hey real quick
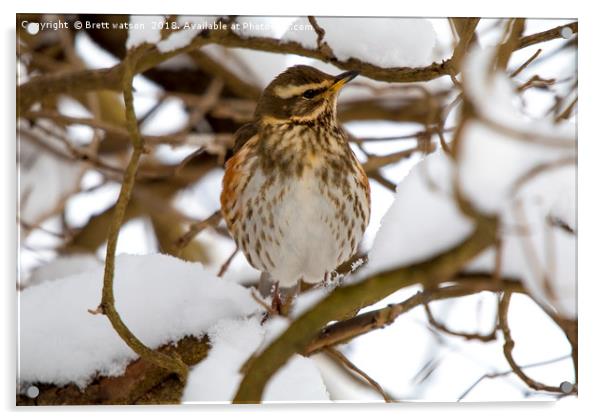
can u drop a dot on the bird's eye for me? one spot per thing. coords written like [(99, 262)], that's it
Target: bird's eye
[(310, 93)]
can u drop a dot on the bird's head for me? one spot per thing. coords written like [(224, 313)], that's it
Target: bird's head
[(301, 94)]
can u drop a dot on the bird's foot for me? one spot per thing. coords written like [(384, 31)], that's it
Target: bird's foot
[(278, 306)]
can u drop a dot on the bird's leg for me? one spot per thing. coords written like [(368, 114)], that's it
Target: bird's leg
[(276, 301), (326, 278), (275, 308), (289, 296), (281, 301)]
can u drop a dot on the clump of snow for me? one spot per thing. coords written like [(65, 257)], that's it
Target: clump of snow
[(217, 377), (423, 220), (490, 164), (491, 160), (144, 29), (160, 298), (233, 341), (190, 26), (385, 42)]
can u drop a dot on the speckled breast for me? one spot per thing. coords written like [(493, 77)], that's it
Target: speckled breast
[(297, 221)]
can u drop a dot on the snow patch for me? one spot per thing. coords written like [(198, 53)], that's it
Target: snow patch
[(217, 377), (423, 220), (385, 42), (160, 298)]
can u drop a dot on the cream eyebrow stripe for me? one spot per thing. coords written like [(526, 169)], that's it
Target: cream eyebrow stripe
[(285, 92)]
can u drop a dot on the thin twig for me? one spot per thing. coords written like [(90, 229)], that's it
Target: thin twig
[(508, 372), (196, 228), (414, 136), (375, 162), (226, 264), (321, 44), (565, 115), (351, 366), (492, 336), (526, 63), (537, 82), (378, 177), (509, 345)]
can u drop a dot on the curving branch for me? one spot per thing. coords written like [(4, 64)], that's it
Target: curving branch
[(509, 346), (438, 325), (107, 305)]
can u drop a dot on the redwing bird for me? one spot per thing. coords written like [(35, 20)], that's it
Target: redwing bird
[(295, 198)]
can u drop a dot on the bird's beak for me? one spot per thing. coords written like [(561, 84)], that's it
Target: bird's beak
[(342, 79)]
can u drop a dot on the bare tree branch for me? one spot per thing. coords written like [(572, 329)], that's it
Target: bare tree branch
[(107, 305), (345, 330)]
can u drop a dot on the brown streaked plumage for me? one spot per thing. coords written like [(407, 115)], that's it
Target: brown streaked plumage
[(295, 198)]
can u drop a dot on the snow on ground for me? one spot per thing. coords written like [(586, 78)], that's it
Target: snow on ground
[(385, 42), (216, 378), (160, 298)]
